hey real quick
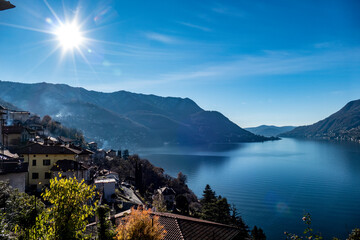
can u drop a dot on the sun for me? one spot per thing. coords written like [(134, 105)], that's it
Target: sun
[(69, 35)]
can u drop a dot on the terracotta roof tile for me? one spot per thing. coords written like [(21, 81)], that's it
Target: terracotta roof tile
[(172, 228), (180, 227), (183, 227)]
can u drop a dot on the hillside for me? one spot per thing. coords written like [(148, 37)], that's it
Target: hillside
[(8, 105), (342, 125), (124, 119), (269, 130)]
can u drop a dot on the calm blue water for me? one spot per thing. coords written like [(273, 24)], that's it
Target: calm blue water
[(274, 183)]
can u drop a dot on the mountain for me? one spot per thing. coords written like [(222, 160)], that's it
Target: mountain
[(342, 125), (8, 105), (124, 119), (269, 130)]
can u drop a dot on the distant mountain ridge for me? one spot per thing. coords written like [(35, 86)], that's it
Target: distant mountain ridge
[(125, 119), (269, 130), (342, 125)]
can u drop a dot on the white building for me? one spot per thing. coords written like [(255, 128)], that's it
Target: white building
[(14, 171), (107, 187)]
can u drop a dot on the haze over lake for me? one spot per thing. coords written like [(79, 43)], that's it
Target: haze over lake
[(274, 183)]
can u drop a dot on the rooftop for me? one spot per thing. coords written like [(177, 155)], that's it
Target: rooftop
[(166, 191), (39, 148), (67, 140), (183, 227), (180, 227), (108, 180), (4, 154)]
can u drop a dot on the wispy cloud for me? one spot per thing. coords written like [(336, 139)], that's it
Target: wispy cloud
[(227, 10), (271, 63), (205, 29), (328, 45), (161, 38)]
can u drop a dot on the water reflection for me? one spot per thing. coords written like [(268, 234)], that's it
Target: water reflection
[(189, 164), (274, 183)]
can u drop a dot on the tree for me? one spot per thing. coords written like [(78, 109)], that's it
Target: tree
[(237, 221), (67, 216), (257, 234), (355, 234), (18, 210), (105, 231), (46, 120), (182, 178), (126, 154), (214, 208), (22, 211), (309, 232), (159, 203), (140, 225), (182, 204), (208, 195), (4, 230), (5, 191), (217, 209)]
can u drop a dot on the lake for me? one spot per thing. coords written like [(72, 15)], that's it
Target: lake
[(274, 183)]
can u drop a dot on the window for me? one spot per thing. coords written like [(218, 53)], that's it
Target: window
[(47, 175), (34, 162), (46, 162), (35, 175)]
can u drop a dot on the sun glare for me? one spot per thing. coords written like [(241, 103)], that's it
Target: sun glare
[(69, 36)]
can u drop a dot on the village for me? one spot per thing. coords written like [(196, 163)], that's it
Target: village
[(31, 155)]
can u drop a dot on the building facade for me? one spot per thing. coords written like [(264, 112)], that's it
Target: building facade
[(41, 158)]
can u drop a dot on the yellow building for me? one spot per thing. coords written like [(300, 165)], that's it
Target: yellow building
[(41, 159)]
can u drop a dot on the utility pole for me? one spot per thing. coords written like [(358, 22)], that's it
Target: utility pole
[(2, 123), (2, 120)]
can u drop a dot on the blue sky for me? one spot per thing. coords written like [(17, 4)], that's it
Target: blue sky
[(258, 62)]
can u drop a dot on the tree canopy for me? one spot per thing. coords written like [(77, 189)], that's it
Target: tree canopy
[(140, 225), (217, 209), (68, 215)]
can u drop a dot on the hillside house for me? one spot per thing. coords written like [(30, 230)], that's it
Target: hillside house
[(70, 169), (13, 170), (111, 153), (93, 146), (106, 187), (12, 135), (17, 116), (16, 135), (41, 157), (65, 140), (167, 195), (100, 153), (3, 111), (109, 174)]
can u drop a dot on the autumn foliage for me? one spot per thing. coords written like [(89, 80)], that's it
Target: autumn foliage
[(140, 225)]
